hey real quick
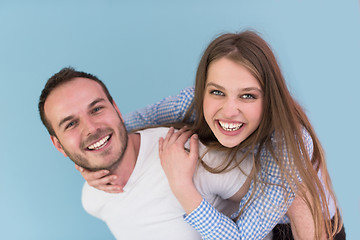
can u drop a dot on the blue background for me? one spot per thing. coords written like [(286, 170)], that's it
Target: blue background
[(147, 50)]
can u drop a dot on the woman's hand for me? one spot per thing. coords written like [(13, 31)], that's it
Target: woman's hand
[(179, 166), (100, 180)]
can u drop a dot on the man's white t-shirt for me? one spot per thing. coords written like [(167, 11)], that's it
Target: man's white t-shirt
[(147, 209)]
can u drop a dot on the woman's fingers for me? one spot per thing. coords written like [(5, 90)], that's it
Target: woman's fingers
[(161, 142), (172, 136), (100, 180), (183, 137), (106, 184), (91, 176), (194, 147), (174, 139), (168, 136)]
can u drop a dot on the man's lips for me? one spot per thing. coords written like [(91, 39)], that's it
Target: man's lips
[(100, 143)]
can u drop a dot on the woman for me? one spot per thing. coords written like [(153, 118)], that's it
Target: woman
[(242, 104)]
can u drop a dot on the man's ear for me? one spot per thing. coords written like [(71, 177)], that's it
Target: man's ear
[(57, 144), (117, 109)]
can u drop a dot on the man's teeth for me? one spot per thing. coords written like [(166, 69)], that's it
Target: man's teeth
[(230, 126), (100, 144)]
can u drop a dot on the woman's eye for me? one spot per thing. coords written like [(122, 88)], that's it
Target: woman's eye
[(248, 96), (217, 92)]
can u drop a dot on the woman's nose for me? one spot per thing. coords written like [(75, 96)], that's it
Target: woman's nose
[(231, 108)]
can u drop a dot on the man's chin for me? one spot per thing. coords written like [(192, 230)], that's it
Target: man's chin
[(98, 168), (95, 169), (110, 167)]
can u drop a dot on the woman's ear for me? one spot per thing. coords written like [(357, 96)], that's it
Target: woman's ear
[(57, 144)]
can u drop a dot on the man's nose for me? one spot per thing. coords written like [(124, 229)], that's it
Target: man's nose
[(89, 126)]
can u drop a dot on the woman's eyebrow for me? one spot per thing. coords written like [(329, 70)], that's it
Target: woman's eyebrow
[(209, 84), (214, 85)]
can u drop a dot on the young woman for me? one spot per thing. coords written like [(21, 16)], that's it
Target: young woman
[(242, 103)]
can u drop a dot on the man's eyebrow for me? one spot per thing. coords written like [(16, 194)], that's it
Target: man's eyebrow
[(96, 101), (93, 103), (65, 120)]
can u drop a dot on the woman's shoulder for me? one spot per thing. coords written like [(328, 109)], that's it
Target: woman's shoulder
[(278, 142), (277, 138)]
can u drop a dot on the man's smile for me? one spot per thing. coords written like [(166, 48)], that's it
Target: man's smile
[(99, 144)]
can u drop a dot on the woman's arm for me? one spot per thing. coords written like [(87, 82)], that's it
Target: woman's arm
[(180, 165), (169, 110), (256, 221)]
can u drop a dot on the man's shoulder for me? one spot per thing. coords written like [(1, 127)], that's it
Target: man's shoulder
[(154, 131)]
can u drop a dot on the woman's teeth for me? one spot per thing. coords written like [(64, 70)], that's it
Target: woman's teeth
[(230, 126), (100, 144)]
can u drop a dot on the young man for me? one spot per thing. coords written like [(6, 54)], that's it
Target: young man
[(85, 125)]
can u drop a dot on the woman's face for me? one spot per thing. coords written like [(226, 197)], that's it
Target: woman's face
[(233, 102)]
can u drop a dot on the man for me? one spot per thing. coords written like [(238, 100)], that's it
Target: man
[(85, 125)]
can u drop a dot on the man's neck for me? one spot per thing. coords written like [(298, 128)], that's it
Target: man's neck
[(125, 168)]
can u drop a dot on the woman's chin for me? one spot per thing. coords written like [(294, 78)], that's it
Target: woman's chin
[(227, 143)]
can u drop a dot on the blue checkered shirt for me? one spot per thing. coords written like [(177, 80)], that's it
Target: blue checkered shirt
[(268, 205)]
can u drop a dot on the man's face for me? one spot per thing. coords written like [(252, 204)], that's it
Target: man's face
[(88, 127)]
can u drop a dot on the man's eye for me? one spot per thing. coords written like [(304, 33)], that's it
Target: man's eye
[(96, 109), (217, 92), (71, 124)]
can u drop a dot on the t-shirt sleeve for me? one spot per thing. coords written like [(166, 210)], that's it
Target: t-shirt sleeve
[(224, 184)]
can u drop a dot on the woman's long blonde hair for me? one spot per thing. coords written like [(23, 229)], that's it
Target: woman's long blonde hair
[(282, 117)]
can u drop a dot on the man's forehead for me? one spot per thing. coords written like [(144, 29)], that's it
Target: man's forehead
[(76, 88), (72, 97)]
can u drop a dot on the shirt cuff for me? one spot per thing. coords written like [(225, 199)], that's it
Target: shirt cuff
[(205, 218)]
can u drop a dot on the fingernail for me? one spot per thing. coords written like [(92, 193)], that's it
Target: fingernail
[(106, 171), (195, 136), (114, 177)]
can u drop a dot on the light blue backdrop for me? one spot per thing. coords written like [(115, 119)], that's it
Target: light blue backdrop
[(144, 51)]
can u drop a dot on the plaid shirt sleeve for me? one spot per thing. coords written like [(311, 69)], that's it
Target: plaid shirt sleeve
[(169, 110), (212, 224)]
